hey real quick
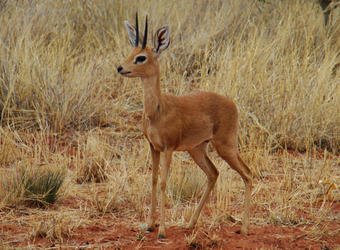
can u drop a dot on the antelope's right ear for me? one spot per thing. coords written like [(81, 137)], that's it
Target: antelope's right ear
[(162, 39), (132, 32)]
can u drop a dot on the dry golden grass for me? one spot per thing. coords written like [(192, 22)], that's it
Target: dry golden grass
[(63, 104)]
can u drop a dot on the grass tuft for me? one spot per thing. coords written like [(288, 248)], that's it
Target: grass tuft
[(41, 185)]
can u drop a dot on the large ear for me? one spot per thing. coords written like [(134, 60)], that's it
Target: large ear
[(131, 32), (161, 39)]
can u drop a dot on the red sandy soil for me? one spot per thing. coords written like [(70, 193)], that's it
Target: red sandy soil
[(113, 231)]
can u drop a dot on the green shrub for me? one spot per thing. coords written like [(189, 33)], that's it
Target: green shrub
[(42, 185)]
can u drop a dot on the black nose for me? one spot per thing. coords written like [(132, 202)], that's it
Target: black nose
[(119, 68)]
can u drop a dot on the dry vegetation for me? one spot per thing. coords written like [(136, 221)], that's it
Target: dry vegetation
[(64, 107)]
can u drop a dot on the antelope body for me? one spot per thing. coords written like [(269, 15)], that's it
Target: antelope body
[(182, 123)]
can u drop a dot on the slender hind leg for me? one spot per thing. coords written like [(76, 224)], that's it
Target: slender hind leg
[(199, 155), (229, 152)]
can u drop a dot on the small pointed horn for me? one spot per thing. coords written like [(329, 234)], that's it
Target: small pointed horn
[(137, 31), (145, 39)]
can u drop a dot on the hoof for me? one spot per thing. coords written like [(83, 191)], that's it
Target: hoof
[(242, 231), (161, 236), (191, 224), (149, 230)]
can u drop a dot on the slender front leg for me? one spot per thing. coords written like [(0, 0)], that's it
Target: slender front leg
[(164, 176), (155, 155)]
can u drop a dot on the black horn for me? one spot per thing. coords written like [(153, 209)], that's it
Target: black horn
[(137, 31), (145, 39)]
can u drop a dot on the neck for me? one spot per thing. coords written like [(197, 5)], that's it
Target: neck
[(153, 99)]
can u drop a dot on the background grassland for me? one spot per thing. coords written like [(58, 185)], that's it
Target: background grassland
[(62, 103)]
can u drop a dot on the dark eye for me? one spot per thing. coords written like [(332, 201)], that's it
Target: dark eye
[(140, 59)]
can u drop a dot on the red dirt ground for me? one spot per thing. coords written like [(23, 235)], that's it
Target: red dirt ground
[(113, 231)]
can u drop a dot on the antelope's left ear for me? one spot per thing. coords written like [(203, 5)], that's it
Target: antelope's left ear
[(132, 32), (161, 39)]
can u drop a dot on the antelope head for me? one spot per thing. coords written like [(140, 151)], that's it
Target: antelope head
[(142, 62)]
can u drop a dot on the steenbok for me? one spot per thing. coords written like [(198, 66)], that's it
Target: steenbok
[(182, 123)]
